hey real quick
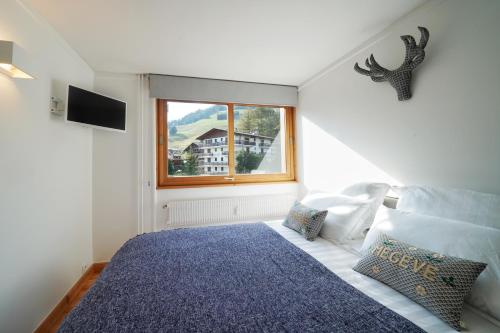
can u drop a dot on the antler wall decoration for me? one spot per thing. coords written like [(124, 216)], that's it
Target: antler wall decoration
[(399, 78)]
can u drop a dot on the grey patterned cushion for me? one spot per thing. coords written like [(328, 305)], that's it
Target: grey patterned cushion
[(306, 220), (439, 283)]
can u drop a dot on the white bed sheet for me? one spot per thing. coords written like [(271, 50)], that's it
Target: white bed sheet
[(340, 260)]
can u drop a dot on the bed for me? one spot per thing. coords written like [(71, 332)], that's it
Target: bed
[(246, 278)]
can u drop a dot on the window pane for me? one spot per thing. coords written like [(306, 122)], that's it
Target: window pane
[(197, 139), (259, 140)]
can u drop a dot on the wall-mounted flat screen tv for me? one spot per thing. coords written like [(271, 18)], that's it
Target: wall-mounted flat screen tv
[(95, 110)]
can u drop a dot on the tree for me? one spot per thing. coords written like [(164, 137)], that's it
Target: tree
[(246, 122), (267, 121), (262, 120), (246, 161), (190, 164), (173, 130), (171, 169)]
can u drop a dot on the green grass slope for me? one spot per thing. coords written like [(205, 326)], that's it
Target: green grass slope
[(186, 134)]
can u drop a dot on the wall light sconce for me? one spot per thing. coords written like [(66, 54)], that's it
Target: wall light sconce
[(12, 59)]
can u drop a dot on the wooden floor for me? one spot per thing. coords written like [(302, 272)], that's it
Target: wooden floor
[(71, 299)]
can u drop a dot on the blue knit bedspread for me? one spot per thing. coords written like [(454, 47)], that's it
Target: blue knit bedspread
[(242, 278)]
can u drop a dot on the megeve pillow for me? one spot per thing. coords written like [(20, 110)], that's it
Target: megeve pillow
[(438, 282), (305, 220), (457, 204), (449, 237), (344, 214), (367, 191)]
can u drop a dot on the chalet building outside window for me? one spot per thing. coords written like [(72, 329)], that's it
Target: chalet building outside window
[(223, 143)]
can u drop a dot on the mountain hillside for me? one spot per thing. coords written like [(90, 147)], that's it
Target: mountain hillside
[(183, 131), (188, 133)]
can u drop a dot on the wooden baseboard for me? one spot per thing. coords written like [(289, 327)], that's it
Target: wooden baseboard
[(53, 320), (98, 266)]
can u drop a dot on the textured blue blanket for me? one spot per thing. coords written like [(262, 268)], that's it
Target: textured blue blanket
[(243, 278)]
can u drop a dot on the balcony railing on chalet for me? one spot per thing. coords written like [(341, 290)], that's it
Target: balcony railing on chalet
[(205, 155), (201, 155), (236, 142), (203, 163), (212, 144), (243, 142)]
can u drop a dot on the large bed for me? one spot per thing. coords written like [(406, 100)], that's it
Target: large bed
[(235, 282)]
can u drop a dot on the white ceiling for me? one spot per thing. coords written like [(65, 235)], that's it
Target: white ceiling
[(272, 41)]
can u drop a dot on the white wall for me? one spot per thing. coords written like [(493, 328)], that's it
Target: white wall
[(351, 128), (115, 171), (45, 176)]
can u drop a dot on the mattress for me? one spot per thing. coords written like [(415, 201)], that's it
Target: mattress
[(340, 260)]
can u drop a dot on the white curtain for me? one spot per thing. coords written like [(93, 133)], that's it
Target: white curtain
[(146, 163)]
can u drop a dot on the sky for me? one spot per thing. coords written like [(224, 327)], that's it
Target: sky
[(177, 110)]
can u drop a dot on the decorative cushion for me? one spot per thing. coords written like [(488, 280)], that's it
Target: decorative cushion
[(449, 237), (305, 220), (457, 204), (345, 213), (437, 282)]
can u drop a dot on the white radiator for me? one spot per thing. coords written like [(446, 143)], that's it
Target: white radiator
[(199, 212)]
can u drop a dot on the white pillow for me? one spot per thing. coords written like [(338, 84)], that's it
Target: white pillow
[(449, 237), (464, 205), (345, 214), (367, 191)]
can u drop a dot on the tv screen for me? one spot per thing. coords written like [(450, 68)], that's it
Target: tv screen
[(92, 109)]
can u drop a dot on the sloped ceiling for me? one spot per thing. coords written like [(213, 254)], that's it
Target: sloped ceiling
[(271, 41)]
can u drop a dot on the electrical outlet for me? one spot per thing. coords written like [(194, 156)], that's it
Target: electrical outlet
[(84, 268)]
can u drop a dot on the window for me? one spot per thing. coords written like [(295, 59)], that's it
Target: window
[(256, 139)]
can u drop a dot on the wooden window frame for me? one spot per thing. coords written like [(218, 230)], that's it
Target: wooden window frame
[(165, 182)]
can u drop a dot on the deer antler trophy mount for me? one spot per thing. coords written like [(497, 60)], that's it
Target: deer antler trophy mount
[(399, 78)]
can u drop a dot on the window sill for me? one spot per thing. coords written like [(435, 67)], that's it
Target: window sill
[(234, 183)]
